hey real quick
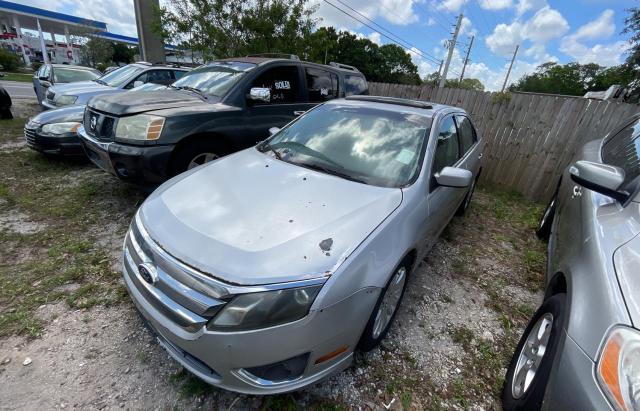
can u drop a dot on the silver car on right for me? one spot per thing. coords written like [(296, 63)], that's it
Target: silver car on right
[(581, 349)]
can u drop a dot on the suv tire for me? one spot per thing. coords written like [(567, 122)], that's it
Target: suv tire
[(195, 153), (543, 331)]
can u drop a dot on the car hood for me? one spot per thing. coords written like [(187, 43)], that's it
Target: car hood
[(81, 87), (60, 115), (627, 260), (141, 101), (250, 219)]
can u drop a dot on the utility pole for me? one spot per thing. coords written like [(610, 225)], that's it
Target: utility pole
[(466, 60), (452, 45), (440, 70), (515, 53)]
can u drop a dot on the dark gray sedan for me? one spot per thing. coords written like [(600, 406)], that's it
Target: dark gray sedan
[(581, 350)]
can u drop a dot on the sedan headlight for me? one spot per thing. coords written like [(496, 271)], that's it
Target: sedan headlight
[(265, 309), (619, 368), (65, 100), (140, 127), (58, 129)]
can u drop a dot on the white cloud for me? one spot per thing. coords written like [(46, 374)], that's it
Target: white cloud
[(399, 12), (424, 67), (600, 28), (539, 53), (452, 5), (524, 6), (466, 27), (431, 22), (494, 4), (375, 37), (545, 25), (602, 54), (505, 37)]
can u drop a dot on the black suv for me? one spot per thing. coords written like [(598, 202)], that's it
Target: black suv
[(216, 109)]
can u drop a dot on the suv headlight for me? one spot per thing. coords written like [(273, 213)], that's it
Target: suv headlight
[(58, 129), (140, 127), (619, 368), (65, 100), (265, 309)]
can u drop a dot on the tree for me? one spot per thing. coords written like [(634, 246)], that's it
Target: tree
[(96, 50), (632, 64), (466, 84), (225, 28), (123, 53), (9, 60)]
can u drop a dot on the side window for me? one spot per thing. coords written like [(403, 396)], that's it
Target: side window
[(159, 77), (323, 85), (447, 150), (355, 85), (467, 133), (46, 71), (142, 77), (178, 74), (623, 150), (283, 82)]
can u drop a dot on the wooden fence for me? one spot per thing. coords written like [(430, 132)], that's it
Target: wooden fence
[(531, 138)]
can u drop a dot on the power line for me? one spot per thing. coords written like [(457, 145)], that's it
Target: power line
[(417, 51)]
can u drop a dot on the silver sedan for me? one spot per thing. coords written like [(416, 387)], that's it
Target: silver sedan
[(261, 272)]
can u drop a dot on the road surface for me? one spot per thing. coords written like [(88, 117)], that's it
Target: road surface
[(18, 89)]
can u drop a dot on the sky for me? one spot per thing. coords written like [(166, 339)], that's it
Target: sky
[(585, 31)]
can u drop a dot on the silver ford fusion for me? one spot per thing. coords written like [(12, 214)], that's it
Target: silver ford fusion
[(261, 272), (581, 349)]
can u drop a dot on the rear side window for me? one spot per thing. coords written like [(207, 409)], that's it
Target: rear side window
[(623, 150), (283, 82), (355, 85), (322, 84), (178, 74), (447, 150), (467, 133)]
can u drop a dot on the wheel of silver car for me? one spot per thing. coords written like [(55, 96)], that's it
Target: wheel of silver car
[(386, 308), (390, 301), (467, 199), (528, 373), (200, 159), (531, 355)]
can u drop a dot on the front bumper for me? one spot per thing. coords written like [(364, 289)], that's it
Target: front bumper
[(573, 384), (136, 164), (222, 358), (62, 146)]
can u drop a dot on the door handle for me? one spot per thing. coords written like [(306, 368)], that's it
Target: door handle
[(299, 112), (480, 156)]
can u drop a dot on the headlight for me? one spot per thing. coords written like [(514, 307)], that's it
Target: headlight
[(65, 100), (265, 309), (61, 128), (140, 127), (619, 368)]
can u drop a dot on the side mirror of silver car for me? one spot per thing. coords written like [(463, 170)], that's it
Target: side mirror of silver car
[(602, 178), (454, 177), (260, 94)]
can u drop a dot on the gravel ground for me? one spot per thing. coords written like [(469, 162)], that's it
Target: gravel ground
[(78, 345)]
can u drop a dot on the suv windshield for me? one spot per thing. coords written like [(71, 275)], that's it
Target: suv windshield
[(373, 146), (214, 79), (64, 75), (119, 77)]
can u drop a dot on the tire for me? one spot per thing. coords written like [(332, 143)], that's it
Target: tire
[(374, 334), (546, 220), (184, 158), (520, 395), (467, 199)]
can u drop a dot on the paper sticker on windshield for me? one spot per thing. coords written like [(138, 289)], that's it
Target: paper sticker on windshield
[(405, 156)]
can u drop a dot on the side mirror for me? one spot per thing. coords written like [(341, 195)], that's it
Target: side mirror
[(602, 178), (454, 177), (45, 83), (43, 78), (138, 83), (273, 130), (260, 94)]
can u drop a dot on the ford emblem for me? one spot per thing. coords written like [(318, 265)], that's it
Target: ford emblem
[(147, 273)]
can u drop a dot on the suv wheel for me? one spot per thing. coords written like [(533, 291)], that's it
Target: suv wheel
[(528, 373), (385, 309), (195, 154)]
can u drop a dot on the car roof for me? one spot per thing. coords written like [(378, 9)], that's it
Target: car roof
[(72, 67), (265, 60), (423, 108)]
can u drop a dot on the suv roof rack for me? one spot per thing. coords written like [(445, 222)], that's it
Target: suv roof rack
[(275, 55), (344, 66), (394, 100)]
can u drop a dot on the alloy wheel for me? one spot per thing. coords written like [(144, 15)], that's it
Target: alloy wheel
[(201, 159), (389, 302), (531, 356)]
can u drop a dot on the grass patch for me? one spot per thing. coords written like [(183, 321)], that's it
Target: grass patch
[(22, 77), (189, 385)]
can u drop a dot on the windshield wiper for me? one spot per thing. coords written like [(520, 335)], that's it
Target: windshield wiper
[(100, 82), (273, 150), (331, 171), (193, 89)]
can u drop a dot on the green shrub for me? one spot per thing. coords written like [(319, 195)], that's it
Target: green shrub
[(101, 67), (9, 60)]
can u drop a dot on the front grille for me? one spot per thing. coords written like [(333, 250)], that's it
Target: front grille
[(99, 125), (30, 136)]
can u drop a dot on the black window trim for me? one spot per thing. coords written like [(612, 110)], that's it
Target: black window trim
[(306, 84), (475, 134)]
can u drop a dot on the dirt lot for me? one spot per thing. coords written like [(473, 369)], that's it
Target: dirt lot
[(70, 338)]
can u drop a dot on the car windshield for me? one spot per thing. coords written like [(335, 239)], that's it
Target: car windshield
[(69, 75), (373, 146), (214, 79), (120, 76)]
